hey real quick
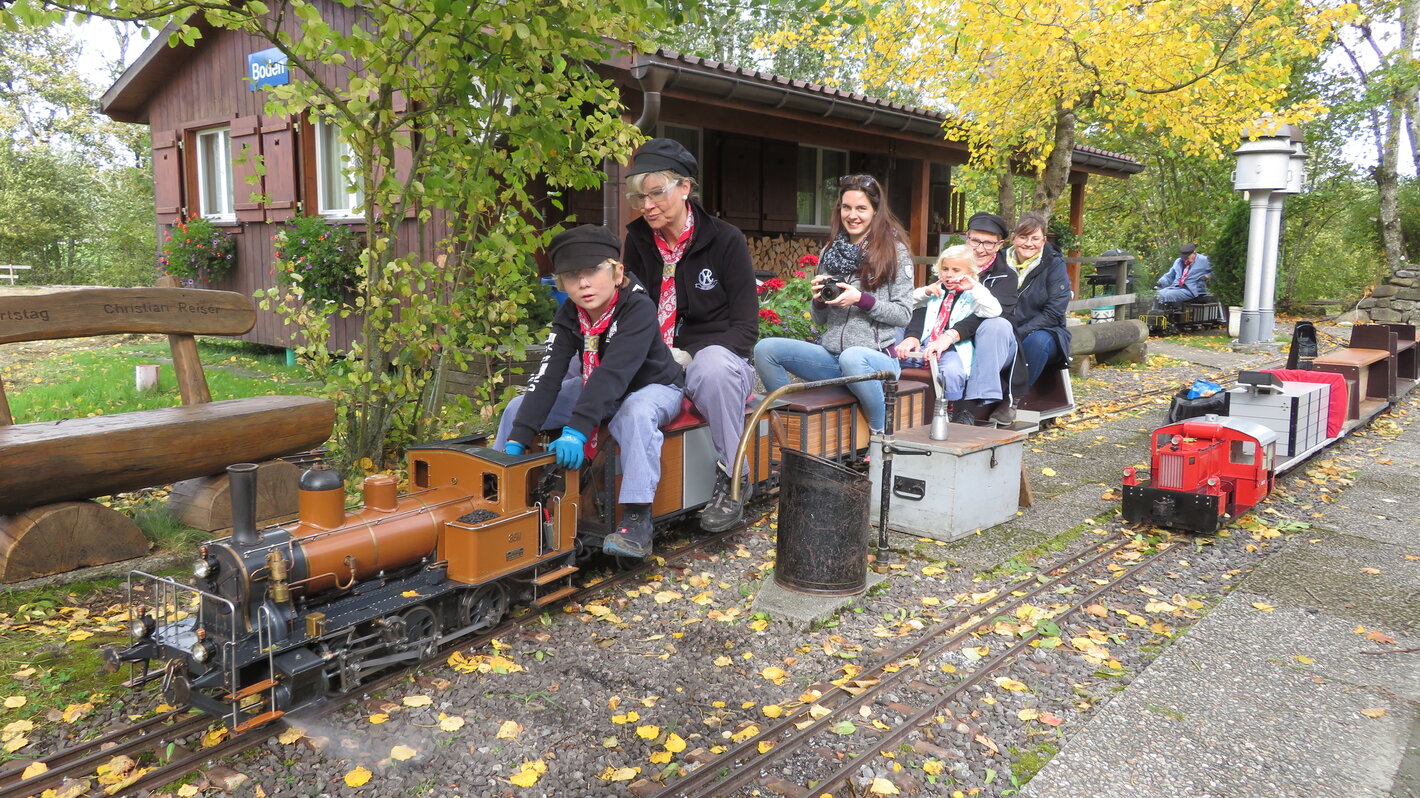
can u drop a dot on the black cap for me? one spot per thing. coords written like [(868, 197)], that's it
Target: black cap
[(664, 155), (988, 223), (1188, 249), (582, 248)]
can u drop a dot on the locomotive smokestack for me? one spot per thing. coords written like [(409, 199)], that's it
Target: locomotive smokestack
[(242, 478)]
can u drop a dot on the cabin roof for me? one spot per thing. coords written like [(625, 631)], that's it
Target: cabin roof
[(127, 100)]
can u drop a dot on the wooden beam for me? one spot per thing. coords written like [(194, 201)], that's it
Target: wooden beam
[(1077, 226), (1112, 300), (107, 311), (918, 223), (5, 418)]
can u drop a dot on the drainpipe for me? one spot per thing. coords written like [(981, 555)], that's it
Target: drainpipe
[(651, 81)]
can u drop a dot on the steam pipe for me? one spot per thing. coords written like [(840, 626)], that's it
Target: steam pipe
[(242, 479)]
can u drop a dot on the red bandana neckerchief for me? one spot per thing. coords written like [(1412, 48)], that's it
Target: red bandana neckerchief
[(944, 315), (591, 354), (670, 256), (1184, 275)]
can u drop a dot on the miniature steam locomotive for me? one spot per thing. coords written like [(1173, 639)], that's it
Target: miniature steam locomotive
[(285, 617), (1171, 318), (1206, 471)]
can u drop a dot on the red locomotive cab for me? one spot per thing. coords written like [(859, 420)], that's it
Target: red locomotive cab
[(1204, 471)]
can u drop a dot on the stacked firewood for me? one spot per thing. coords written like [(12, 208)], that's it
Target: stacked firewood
[(781, 255)]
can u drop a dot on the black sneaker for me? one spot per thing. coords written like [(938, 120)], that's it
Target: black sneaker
[(722, 512), (632, 537), (965, 413), (1003, 415)]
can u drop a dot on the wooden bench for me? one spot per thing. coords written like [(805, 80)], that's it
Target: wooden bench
[(1399, 340), (1369, 375), (826, 421), (49, 469)]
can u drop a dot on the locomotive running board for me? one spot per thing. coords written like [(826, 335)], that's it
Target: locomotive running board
[(260, 720), (249, 690), (553, 576), (554, 596)]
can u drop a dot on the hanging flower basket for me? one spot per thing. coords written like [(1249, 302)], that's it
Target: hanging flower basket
[(196, 252)]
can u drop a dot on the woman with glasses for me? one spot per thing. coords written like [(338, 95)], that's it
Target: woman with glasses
[(629, 381), (698, 270), (862, 295), (1043, 295)]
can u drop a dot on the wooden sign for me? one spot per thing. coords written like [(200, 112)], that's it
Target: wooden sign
[(107, 311)]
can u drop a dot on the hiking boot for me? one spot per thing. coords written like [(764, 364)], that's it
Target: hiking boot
[(1003, 415), (964, 413), (722, 512), (632, 537)]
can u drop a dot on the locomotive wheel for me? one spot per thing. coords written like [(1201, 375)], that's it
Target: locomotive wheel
[(421, 630), (482, 608)]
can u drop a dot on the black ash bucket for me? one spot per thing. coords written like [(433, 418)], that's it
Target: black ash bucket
[(823, 526)]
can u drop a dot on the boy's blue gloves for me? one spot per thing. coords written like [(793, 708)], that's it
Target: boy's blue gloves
[(568, 448), (513, 447)]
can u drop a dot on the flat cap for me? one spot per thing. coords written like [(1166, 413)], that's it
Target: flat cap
[(582, 248), (988, 223), (664, 155), (1188, 249)]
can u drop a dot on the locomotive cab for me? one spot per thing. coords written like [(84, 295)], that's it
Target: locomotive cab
[(1204, 472)]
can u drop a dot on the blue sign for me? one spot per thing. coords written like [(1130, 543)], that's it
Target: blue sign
[(267, 68)]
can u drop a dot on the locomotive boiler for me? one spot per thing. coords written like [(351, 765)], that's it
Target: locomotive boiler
[(1205, 472), (284, 617)]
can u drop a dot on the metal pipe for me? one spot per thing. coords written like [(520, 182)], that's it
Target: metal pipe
[(794, 387), (885, 497), (241, 478), (1250, 332), (1267, 295)]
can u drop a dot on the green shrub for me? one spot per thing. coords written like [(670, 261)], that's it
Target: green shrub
[(1229, 257)]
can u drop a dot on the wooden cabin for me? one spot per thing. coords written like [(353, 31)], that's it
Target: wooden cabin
[(770, 151)]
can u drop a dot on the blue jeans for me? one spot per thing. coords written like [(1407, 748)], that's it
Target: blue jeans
[(776, 358), (1038, 349)]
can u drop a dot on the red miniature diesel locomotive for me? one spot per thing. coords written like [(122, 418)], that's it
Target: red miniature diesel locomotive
[(1205, 472)]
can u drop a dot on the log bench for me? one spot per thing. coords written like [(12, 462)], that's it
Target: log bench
[(49, 470)]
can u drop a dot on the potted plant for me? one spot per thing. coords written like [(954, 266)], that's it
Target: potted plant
[(318, 257), (197, 251), (784, 304)]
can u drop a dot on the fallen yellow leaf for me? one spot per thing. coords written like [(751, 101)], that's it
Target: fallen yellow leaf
[(358, 777), (772, 710), (15, 701), (1375, 712), (417, 701), (619, 774), (648, 732), (34, 769), (380, 717), (765, 746), (1010, 684), (1304, 659), (674, 743), (401, 753), (723, 661), (1049, 472), (882, 786), (509, 730), (451, 723), (1263, 606), (214, 737), (290, 736)]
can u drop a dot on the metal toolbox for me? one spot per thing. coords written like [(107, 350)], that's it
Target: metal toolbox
[(946, 490)]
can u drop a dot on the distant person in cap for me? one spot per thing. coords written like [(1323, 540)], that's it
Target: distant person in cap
[(993, 340), (698, 271), (628, 376), (1186, 279)]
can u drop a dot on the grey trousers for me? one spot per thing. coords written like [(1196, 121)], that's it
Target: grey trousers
[(994, 352), (719, 382)]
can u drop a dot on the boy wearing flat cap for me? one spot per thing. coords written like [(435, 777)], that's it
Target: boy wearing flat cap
[(697, 270), (627, 375)]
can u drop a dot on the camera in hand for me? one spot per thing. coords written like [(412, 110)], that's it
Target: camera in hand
[(830, 290)]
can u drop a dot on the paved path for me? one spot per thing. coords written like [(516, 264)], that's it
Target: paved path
[(1254, 703)]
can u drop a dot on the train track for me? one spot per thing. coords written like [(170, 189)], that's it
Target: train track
[(165, 739), (904, 685)]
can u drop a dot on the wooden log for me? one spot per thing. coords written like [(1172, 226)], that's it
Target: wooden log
[(60, 537), (206, 503), (106, 311), (1109, 336), (46, 462)]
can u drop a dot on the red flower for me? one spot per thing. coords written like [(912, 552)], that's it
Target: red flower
[(808, 260), (769, 315), (800, 273), (772, 284)]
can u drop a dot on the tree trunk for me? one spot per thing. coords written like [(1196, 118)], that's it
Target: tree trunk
[(1006, 192), (1054, 178), (1408, 96), (1387, 186)]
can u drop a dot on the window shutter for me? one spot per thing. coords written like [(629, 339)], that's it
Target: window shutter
[(739, 182), (167, 176), (779, 186), (282, 181), (246, 180)]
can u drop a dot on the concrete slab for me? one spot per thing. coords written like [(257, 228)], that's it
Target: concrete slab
[(1231, 711), (802, 610), (1336, 574), (1032, 527)]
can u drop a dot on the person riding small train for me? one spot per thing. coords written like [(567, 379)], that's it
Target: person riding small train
[(628, 375), (698, 271), (927, 335), (1186, 279)]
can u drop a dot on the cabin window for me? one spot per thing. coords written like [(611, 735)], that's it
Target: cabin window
[(819, 170), (1243, 453), (214, 174), (336, 186), (689, 137)]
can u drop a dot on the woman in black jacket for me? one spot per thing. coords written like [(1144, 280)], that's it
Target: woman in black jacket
[(697, 270), (628, 376), (1043, 295)]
